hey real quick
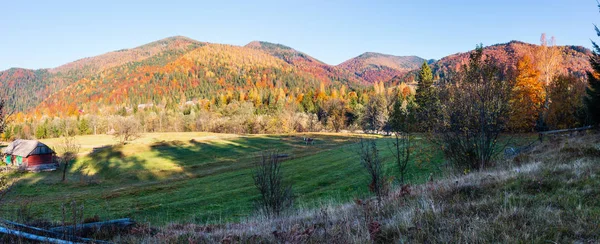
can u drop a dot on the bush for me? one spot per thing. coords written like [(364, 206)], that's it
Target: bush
[(370, 160), (127, 129), (475, 114), (275, 196)]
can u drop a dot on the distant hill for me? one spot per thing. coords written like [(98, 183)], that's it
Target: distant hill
[(575, 59), (24, 88), (112, 59), (306, 63), (204, 73), (374, 67)]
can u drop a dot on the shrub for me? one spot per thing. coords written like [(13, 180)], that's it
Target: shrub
[(370, 160), (476, 113), (275, 196)]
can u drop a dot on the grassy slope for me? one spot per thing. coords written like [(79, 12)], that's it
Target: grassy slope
[(547, 195), (196, 177)]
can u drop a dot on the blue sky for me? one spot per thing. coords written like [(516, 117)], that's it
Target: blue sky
[(43, 34)]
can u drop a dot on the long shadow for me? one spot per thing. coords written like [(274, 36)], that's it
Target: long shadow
[(201, 158), (133, 186), (112, 164)]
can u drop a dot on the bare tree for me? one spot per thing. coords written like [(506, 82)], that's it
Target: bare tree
[(548, 58), (401, 123), (275, 195), (475, 113), (313, 122), (375, 116), (370, 160), (126, 129), (68, 150)]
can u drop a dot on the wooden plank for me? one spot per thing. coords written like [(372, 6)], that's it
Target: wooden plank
[(32, 236), (119, 223), (567, 130), (541, 134), (31, 228), (52, 234)]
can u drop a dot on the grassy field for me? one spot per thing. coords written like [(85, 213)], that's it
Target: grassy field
[(547, 194), (199, 177)]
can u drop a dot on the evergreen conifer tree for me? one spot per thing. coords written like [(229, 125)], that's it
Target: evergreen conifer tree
[(426, 99), (592, 100)]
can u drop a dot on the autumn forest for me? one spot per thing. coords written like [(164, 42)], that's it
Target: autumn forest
[(179, 84)]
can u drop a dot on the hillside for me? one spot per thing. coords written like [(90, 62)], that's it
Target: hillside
[(306, 63), (24, 88), (575, 59), (375, 67), (204, 73), (159, 73), (92, 65)]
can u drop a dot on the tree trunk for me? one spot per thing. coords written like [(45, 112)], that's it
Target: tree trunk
[(65, 171)]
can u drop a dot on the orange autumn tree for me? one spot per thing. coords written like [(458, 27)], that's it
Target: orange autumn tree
[(527, 97)]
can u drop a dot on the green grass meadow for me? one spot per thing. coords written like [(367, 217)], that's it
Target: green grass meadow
[(201, 177)]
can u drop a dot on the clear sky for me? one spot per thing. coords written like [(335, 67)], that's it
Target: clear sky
[(44, 34)]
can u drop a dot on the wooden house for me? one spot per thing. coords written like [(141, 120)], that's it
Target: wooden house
[(31, 155)]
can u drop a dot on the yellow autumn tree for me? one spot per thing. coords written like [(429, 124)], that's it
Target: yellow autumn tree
[(548, 57), (528, 96)]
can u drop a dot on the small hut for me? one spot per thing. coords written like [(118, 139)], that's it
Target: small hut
[(30, 155)]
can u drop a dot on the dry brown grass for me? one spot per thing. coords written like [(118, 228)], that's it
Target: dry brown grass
[(551, 194)]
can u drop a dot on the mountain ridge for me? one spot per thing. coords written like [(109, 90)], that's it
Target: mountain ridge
[(378, 67), (364, 69), (325, 72)]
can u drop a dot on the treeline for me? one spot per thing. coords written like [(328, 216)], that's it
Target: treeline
[(268, 112)]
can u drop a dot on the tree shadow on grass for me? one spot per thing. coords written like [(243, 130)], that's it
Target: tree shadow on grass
[(201, 158), (111, 164)]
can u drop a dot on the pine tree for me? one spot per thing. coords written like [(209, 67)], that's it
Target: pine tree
[(426, 98), (592, 100), (402, 116)]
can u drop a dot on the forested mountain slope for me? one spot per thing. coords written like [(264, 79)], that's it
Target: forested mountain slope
[(24, 89), (375, 67)]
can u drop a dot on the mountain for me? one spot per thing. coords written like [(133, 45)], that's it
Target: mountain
[(108, 60), (574, 59), (24, 88), (212, 71), (306, 63), (179, 69), (374, 67)]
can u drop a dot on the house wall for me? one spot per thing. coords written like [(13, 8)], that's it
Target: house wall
[(36, 160)]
